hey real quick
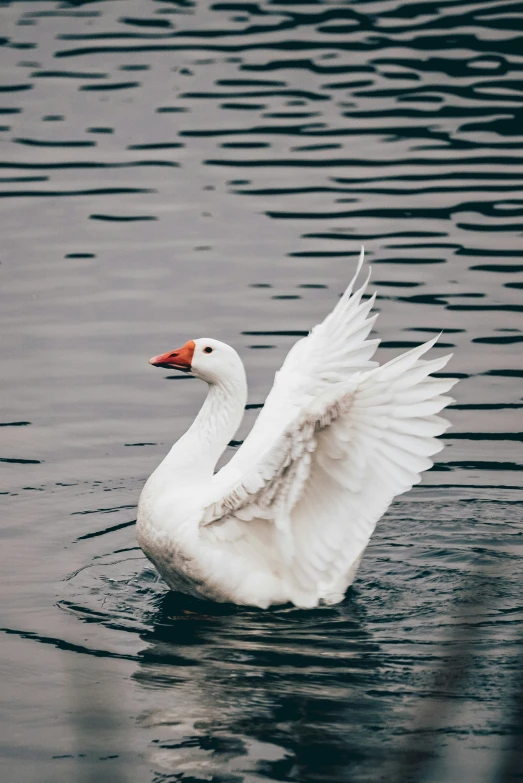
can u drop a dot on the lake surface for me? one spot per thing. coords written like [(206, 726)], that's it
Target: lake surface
[(175, 169)]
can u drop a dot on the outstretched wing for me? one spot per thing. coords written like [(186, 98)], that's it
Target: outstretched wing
[(356, 440)]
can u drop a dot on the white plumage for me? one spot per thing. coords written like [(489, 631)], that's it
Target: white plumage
[(289, 517)]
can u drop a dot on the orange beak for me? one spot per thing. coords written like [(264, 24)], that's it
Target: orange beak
[(180, 359)]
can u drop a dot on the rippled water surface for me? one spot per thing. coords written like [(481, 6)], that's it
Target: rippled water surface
[(173, 169)]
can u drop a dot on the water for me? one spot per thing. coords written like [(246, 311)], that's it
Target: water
[(172, 170)]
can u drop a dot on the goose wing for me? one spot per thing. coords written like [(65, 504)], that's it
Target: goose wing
[(321, 472)]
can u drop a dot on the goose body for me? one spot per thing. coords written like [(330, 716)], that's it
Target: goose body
[(289, 517)]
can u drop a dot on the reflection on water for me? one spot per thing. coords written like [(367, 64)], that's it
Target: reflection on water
[(336, 693), (175, 168), (270, 694)]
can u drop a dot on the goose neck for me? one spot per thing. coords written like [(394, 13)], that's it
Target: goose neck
[(198, 451)]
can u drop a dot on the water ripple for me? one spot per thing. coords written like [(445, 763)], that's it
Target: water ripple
[(176, 169)]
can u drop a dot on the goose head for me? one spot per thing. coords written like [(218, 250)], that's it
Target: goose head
[(211, 360)]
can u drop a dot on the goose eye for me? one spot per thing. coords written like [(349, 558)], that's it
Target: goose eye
[(207, 350)]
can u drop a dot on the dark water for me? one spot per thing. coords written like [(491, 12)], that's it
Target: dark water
[(175, 169)]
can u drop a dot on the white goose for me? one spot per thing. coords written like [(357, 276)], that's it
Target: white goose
[(289, 517)]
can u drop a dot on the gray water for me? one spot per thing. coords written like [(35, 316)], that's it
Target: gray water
[(175, 169)]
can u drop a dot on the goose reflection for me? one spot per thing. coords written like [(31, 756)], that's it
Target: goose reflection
[(282, 694)]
